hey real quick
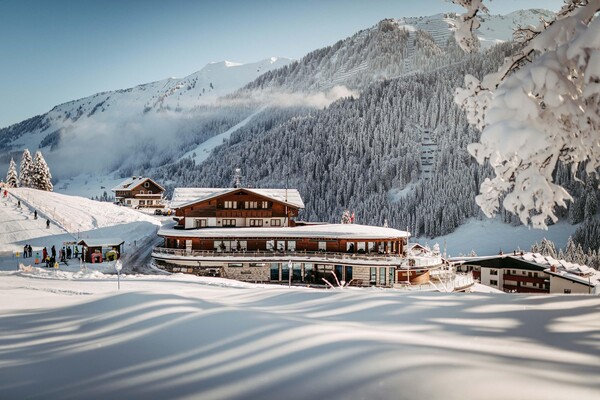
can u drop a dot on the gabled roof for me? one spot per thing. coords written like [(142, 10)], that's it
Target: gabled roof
[(133, 182), (101, 242), (187, 196)]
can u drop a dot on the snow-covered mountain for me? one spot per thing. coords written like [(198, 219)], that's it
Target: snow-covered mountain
[(118, 122), (150, 125)]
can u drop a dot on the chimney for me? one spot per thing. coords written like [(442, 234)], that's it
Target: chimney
[(134, 177), (553, 268)]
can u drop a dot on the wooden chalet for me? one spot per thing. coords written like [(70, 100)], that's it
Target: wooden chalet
[(252, 234), (139, 192)]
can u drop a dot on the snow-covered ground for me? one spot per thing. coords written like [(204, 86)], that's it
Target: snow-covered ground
[(71, 218), (490, 236), (188, 337)]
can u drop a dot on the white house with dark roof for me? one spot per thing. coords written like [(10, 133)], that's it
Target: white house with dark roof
[(139, 192), (531, 273)]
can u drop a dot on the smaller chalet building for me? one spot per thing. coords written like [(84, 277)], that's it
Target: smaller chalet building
[(531, 273), (139, 192), (252, 235)]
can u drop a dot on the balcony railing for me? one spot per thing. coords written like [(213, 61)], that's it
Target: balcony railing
[(285, 255), (354, 258)]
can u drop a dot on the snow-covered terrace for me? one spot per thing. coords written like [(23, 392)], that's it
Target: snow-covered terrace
[(325, 231)]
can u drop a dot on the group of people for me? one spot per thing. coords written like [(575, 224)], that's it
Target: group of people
[(27, 251), (64, 254)]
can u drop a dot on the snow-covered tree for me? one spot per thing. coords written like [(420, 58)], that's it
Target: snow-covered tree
[(346, 217), (12, 180), (26, 169), (40, 177), (547, 248), (541, 108)]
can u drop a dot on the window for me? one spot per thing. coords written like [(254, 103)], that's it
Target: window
[(128, 201), (291, 245), (235, 265), (149, 202), (275, 222), (230, 204), (567, 291), (274, 271), (382, 276), (256, 222), (494, 283), (200, 223), (229, 222), (373, 275), (264, 204), (493, 272), (251, 204), (142, 202), (257, 264), (322, 246), (270, 245), (146, 184)]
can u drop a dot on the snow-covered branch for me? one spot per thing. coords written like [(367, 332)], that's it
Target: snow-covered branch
[(541, 107)]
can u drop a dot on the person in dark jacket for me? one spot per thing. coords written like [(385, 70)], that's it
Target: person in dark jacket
[(53, 252), (47, 224)]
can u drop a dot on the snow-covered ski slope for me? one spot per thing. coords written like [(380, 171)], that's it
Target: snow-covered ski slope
[(494, 29), (71, 218), (186, 337), (204, 149)]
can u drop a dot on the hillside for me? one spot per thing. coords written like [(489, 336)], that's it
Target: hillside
[(133, 130), (71, 218)]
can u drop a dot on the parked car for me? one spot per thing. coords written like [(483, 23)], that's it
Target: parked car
[(158, 211)]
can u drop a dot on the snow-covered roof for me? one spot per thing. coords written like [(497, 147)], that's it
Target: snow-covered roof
[(590, 277), (101, 242), (327, 231), (187, 196), (133, 182)]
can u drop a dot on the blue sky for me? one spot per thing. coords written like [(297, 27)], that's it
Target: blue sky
[(55, 51)]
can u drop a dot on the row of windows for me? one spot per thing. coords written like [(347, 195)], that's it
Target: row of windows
[(246, 204), (203, 223)]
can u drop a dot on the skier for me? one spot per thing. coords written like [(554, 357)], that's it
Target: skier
[(19, 203), (34, 214), (69, 252), (5, 193), (30, 250), (25, 251), (76, 252), (53, 252), (44, 254), (47, 224)]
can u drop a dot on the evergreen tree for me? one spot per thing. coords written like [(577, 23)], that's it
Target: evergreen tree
[(26, 169), (547, 248), (570, 250), (12, 180), (41, 178)]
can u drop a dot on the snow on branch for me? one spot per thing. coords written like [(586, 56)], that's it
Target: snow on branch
[(541, 107), (468, 23)]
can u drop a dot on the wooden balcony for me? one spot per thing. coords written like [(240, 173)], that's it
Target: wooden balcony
[(321, 257), (523, 278)]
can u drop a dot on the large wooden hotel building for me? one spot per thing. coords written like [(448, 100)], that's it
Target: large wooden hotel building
[(252, 235)]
